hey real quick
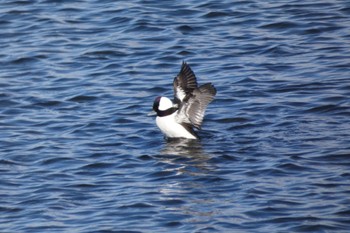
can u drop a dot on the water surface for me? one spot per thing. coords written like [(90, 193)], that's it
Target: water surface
[(79, 154)]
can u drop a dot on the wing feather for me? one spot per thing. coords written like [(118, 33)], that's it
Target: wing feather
[(194, 105), (184, 83)]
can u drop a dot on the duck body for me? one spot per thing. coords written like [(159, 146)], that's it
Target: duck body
[(176, 119)]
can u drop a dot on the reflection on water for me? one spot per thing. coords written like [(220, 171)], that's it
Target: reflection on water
[(188, 153), (182, 147), (189, 194)]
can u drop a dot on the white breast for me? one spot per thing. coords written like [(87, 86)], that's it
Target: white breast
[(171, 128)]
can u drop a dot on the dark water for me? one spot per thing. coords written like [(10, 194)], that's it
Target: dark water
[(79, 154)]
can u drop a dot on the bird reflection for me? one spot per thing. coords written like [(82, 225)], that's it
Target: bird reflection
[(180, 146), (191, 180), (187, 154)]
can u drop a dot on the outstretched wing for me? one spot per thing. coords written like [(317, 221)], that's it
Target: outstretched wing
[(184, 83), (194, 105)]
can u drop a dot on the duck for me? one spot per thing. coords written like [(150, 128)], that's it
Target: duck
[(178, 118)]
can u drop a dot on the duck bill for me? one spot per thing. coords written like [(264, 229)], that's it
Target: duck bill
[(152, 113)]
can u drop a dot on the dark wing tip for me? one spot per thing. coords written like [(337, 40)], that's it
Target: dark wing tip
[(208, 88), (186, 78), (185, 82)]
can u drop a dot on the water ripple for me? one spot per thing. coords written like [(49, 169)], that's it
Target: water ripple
[(79, 152)]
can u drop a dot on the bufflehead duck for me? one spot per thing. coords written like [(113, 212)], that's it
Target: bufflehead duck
[(177, 119)]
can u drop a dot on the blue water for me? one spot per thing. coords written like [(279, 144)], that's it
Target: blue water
[(79, 154)]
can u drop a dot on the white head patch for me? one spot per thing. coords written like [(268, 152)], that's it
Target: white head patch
[(165, 103)]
